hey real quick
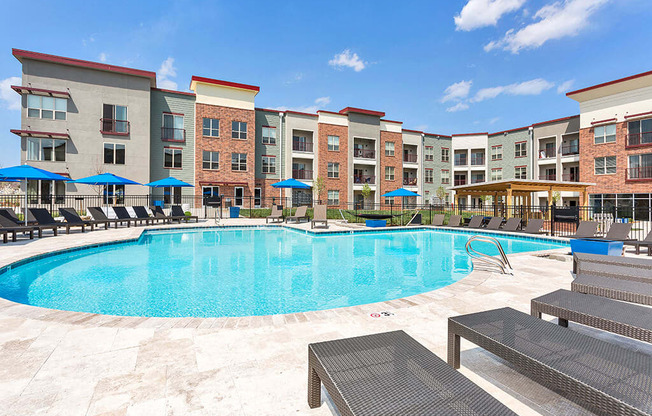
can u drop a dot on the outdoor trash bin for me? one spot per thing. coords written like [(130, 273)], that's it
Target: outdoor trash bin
[(596, 246), (234, 212)]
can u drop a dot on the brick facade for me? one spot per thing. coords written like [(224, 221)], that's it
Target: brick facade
[(614, 183), (341, 157), (225, 177), (268, 193), (396, 161)]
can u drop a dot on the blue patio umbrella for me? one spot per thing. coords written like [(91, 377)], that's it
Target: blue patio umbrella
[(105, 179), (400, 192), (25, 173), (169, 182), (290, 184)]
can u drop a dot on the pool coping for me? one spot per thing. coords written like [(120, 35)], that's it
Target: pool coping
[(475, 278)]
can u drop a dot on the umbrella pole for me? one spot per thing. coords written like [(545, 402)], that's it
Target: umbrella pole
[(25, 208)]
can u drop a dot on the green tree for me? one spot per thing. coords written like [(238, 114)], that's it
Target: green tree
[(556, 197), (441, 194), (320, 187)]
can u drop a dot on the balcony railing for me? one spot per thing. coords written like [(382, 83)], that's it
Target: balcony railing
[(477, 180), (301, 146), (546, 153), (639, 139), (477, 160), (460, 161), (169, 134), (571, 177), (112, 126), (410, 158), (364, 154), (641, 173), (362, 179), (459, 182), (301, 174), (571, 149), (410, 181), (548, 177)]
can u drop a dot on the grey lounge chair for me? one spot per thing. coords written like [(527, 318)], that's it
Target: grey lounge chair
[(43, 218), (512, 224), (619, 232), (646, 242), (275, 216), (495, 223), (178, 212), (9, 227), (71, 217), (602, 376), (157, 211), (586, 229), (454, 221), (438, 220), (10, 214), (534, 226), (320, 216), (123, 215), (300, 214), (98, 215), (476, 221), (392, 374)]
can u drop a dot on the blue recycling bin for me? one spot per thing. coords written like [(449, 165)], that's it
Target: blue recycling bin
[(596, 246), (234, 212), (376, 223)]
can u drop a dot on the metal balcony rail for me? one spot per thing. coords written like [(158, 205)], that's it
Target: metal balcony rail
[(460, 161), (301, 146), (477, 160), (410, 181), (546, 153), (169, 134), (459, 182), (477, 180), (644, 172), (572, 149), (638, 139), (552, 177), (362, 179), (571, 177), (410, 158), (112, 126), (301, 174), (364, 154)]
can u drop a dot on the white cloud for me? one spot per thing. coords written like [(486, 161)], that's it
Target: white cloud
[(457, 91), (480, 13), (461, 106), (9, 96), (347, 59), (532, 87), (494, 120), (323, 100), (421, 127), (318, 104), (553, 21), (565, 86), (102, 57), (166, 71)]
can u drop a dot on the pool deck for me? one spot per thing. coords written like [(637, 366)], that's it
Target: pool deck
[(69, 363)]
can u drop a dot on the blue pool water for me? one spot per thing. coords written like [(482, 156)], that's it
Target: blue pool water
[(245, 271)]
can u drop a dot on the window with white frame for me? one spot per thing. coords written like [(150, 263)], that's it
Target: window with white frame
[(389, 200), (269, 135), (46, 107), (333, 170), (239, 130), (520, 149), (604, 134), (445, 176), (239, 161), (389, 173), (269, 164), (605, 165), (429, 153), (496, 152), (334, 143), (429, 176), (51, 150), (445, 154), (640, 166), (210, 160), (211, 127), (639, 132), (333, 197), (520, 172), (114, 153), (172, 158), (389, 149), (497, 174), (173, 127), (114, 119)]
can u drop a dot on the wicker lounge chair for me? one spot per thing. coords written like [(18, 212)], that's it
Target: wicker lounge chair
[(392, 374), (534, 226), (71, 217), (454, 221), (98, 215), (621, 318), (586, 229), (178, 212), (275, 216), (157, 211), (476, 221), (646, 242), (512, 224), (495, 223), (601, 376), (9, 227), (320, 216), (612, 266), (43, 218), (438, 220), (300, 213), (141, 213), (10, 214), (123, 215)]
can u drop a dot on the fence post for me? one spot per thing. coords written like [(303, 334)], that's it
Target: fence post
[(250, 208), (552, 220)]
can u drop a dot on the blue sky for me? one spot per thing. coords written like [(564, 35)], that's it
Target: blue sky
[(450, 66)]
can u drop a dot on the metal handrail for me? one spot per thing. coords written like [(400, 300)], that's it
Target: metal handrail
[(502, 262)]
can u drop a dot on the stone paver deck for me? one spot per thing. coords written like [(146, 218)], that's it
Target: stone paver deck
[(67, 363)]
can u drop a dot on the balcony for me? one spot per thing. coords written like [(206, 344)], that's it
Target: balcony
[(459, 182), (477, 180), (477, 160), (570, 177), (364, 154), (548, 177), (114, 127), (173, 135), (302, 174), (547, 153), (639, 174), (410, 181), (461, 161), (410, 158), (571, 149), (301, 146), (362, 179), (639, 139)]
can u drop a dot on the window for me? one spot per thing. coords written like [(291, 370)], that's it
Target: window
[(239, 130), (51, 150), (258, 197), (334, 143), (445, 154), (269, 135), (333, 170), (114, 194), (605, 165), (389, 148), (639, 132), (171, 195), (172, 158), (333, 197), (210, 160), (496, 152), (114, 119), (604, 134), (389, 173), (520, 149), (211, 127), (269, 164), (173, 127), (389, 200), (429, 153), (640, 166), (46, 107), (445, 176), (497, 174), (114, 153), (209, 192), (429, 176), (520, 172), (239, 161)]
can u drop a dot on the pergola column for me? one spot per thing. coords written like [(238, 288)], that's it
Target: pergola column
[(584, 202), (509, 202), (548, 213)]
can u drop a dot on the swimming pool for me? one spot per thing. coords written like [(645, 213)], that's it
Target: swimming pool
[(246, 271)]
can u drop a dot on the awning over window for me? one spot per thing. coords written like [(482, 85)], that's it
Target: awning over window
[(32, 133), (39, 91)]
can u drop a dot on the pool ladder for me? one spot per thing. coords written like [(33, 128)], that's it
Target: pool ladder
[(502, 263)]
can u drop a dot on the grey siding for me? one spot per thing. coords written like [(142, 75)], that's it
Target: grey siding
[(508, 162), (437, 143), (271, 119)]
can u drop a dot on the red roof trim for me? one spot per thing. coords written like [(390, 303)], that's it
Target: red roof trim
[(608, 120), (328, 112), (510, 130), (412, 131), (638, 115), (191, 94), (19, 53), (391, 121), (34, 133), (439, 135), (19, 89), (555, 120), (268, 109), (362, 111), (201, 183), (300, 113), (224, 83), (469, 134), (617, 81)]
